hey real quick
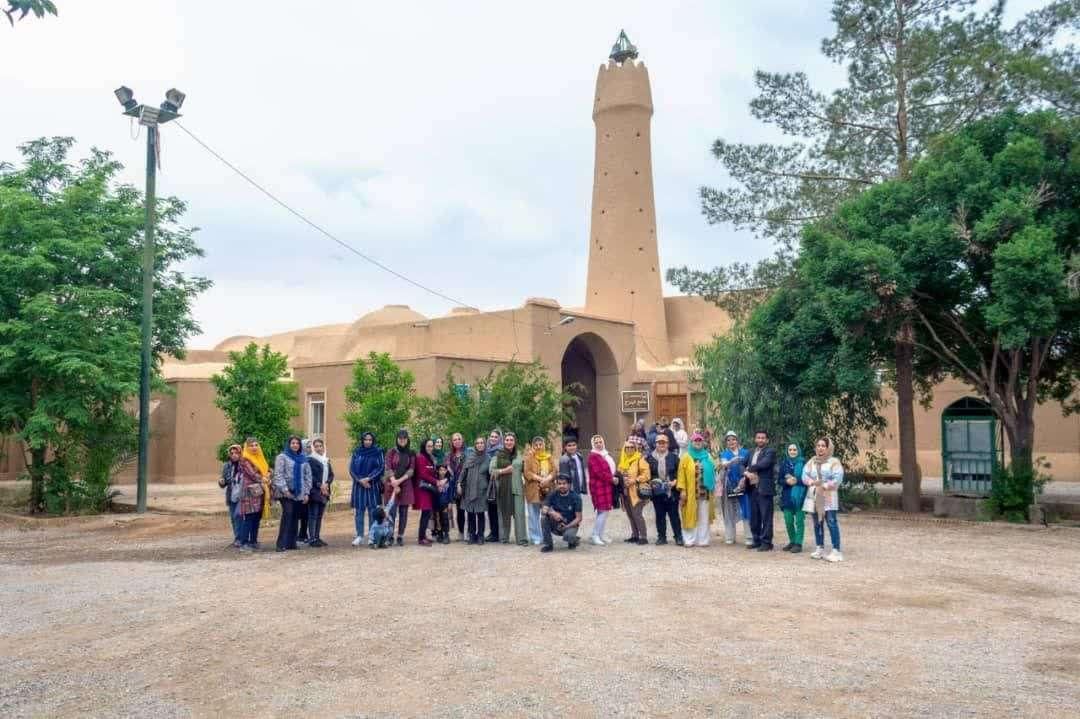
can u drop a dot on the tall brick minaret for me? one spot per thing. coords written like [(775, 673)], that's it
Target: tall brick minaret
[(624, 262)]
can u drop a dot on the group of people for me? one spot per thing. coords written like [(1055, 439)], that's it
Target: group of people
[(498, 482)]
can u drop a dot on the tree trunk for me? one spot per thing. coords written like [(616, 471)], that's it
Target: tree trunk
[(911, 497), (37, 480)]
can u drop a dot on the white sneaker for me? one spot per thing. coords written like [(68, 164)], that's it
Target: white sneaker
[(834, 556), (358, 541), (688, 542), (749, 542), (729, 541), (818, 553), (597, 541)]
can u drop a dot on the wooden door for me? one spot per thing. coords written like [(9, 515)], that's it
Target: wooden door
[(670, 406)]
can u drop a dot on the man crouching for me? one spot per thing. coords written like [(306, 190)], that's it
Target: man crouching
[(561, 514)]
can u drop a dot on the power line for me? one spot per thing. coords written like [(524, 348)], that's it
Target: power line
[(368, 258)]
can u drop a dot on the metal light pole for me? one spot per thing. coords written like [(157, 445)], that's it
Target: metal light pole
[(149, 117)]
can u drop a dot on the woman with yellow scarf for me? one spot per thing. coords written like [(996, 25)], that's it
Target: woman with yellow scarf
[(539, 473), (696, 484), (634, 470), (253, 453)]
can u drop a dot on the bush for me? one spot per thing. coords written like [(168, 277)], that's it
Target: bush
[(1012, 491), (856, 492)]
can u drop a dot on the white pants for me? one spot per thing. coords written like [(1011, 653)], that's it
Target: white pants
[(598, 526), (699, 535)]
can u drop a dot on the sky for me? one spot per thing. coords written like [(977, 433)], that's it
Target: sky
[(453, 142)]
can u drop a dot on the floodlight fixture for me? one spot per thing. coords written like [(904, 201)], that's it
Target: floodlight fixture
[(565, 321), (173, 100), (126, 97)]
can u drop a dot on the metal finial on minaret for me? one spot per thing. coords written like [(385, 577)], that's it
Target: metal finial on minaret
[(623, 49)]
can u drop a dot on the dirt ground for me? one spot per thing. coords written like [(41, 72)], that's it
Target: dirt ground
[(140, 616)]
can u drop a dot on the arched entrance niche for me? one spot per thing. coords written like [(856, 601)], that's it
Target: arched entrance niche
[(589, 362)]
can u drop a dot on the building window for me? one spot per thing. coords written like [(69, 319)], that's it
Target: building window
[(316, 414)]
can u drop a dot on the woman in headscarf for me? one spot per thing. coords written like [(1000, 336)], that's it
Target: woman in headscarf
[(426, 488), (292, 484), (823, 475), (253, 453), (494, 445), (455, 463), (602, 481), (506, 469), (322, 480), (249, 507), (230, 482), (366, 469), (539, 472), (635, 473), (792, 495), (696, 482), (734, 501), (398, 482), (475, 479), (681, 437), (439, 453)]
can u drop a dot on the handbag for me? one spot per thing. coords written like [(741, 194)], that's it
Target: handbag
[(428, 487)]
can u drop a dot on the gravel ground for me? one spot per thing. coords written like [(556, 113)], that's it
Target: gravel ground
[(126, 616)]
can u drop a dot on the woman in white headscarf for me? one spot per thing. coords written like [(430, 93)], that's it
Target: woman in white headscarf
[(681, 437), (322, 476)]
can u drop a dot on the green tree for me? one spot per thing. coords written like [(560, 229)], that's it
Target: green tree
[(70, 304), (380, 398), (916, 68), (257, 398), (519, 397), (974, 246), (25, 7)]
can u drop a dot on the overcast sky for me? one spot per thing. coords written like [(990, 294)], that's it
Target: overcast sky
[(452, 141)]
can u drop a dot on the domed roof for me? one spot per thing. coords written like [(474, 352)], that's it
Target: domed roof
[(389, 315)]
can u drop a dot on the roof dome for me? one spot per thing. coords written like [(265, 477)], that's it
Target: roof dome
[(389, 315)]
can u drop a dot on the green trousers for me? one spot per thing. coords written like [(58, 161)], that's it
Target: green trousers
[(794, 522)]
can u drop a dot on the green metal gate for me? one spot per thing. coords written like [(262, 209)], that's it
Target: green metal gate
[(970, 447)]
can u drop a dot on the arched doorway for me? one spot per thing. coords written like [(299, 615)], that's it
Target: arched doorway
[(970, 447), (589, 370)]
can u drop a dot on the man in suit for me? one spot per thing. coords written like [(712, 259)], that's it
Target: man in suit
[(760, 478), (573, 466)]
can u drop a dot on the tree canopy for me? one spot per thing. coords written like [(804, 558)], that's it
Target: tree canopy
[(972, 248), (257, 397), (518, 397), (70, 305), (915, 69), (380, 399)]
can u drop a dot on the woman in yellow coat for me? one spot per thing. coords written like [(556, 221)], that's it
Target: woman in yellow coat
[(635, 472), (540, 470), (696, 482)]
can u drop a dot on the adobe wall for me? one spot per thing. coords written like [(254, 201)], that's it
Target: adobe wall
[(1057, 438)]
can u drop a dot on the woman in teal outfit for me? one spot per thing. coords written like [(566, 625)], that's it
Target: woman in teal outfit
[(792, 496)]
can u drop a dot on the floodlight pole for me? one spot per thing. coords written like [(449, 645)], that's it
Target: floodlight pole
[(147, 319)]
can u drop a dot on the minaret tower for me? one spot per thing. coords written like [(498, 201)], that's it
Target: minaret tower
[(624, 262)]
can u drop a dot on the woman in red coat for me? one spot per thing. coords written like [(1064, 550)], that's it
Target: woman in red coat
[(601, 469), (427, 480)]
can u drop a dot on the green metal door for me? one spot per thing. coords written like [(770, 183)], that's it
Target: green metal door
[(969, 453)]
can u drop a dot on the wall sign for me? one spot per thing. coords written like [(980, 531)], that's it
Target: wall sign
[(635, 401)]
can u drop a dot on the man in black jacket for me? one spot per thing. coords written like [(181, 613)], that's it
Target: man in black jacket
[(572, 465), (760, 477)]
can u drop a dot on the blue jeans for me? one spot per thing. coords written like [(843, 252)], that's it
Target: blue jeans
[(249, 532), (359, 518), (237, 522), (536, 535), (380, 532), (834, 529)]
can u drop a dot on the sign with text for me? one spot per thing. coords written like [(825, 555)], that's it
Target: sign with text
[(635, 400)]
